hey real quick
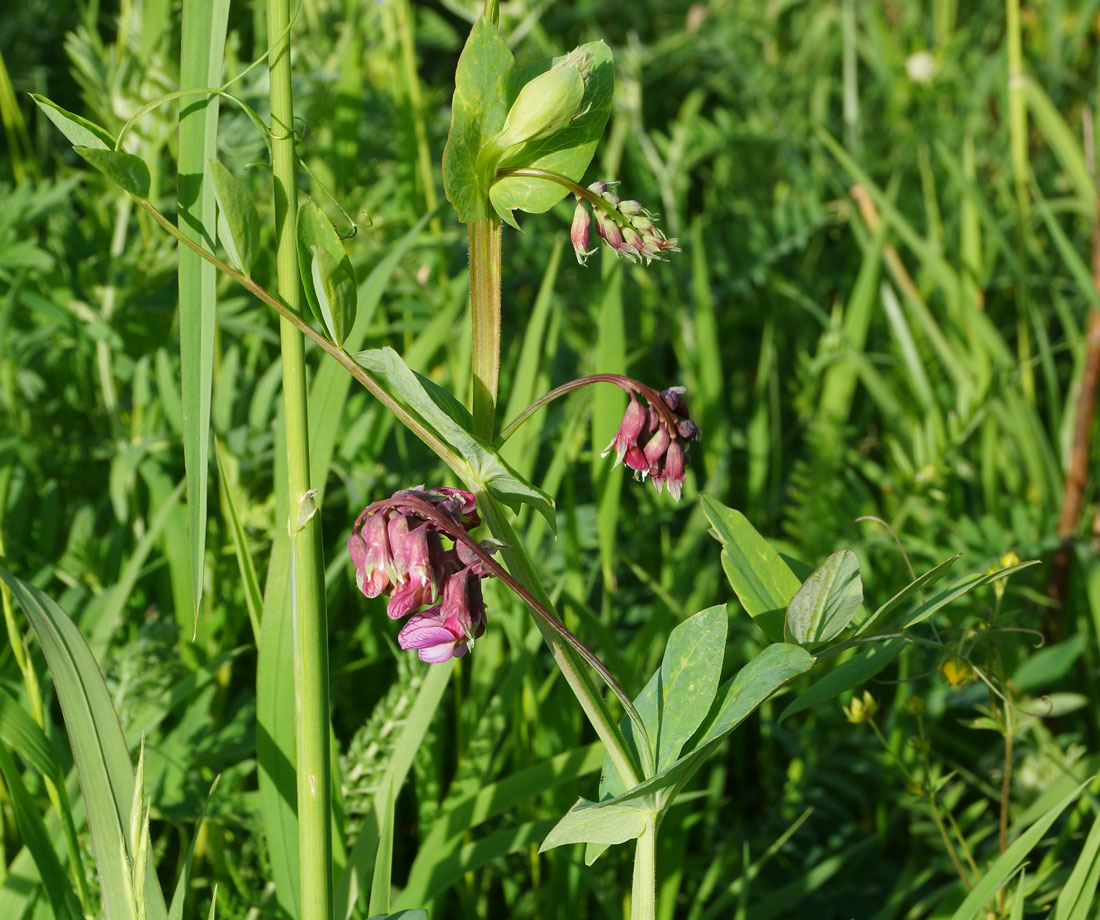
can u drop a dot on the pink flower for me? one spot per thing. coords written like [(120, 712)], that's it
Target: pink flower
[(370, 554), (633, 422), (396, 548), (436, 637), (663, 459), (578, 232)]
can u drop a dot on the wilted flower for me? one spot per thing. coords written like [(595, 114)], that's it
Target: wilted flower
[(398, 551), (631, 427), (370, 553), (626, 227), (578, 233), (663, 459)]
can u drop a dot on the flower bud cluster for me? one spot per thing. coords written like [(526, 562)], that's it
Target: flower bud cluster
[(626, 227), (400, 554), (666, 436)]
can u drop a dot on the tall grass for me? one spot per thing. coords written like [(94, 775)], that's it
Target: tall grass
[(880, 311)]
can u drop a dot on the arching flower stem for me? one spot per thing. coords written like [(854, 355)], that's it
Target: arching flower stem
[(627, 384)]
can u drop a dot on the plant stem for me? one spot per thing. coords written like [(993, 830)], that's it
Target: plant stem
[(627, 384), (485, 316), (643, 892), (307, 566), (485, 261)]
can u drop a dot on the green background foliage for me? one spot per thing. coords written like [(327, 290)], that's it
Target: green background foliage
[(881, 314)]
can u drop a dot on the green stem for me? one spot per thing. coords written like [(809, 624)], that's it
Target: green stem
[(485, 316), (643, 893), (628, 384), (345, 360), (592, 704), (485, 260), (307, 578)]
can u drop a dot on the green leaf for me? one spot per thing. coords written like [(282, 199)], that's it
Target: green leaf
[(451, 423), (330, 283), (1063, 140), (762, 581), (402, 915), (737, 699), (753, 684), (957, 590), (567, 151), (202, 45), (1077, 897), (478, 110), (77, 130), (21, 733), (1043, 669), (1010, 860), (183, 883), (596, 822), (689, 675), (861, 667), (334, 288), (825, 604), (923, 581), (99, 748), (59, 890), (238, 220), (124, 169), (677, 698)]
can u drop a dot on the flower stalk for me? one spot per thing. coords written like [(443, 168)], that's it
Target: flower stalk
[(485, 262)]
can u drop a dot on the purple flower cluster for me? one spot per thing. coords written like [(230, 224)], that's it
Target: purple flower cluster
[(666, 431), (399, 553), (625, 226)]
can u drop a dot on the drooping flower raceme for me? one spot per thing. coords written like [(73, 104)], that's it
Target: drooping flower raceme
[(626, 227), (400, 553), (653, 441)]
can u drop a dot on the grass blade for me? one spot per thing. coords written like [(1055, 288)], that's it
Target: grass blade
[(99, 748), (202, 44)]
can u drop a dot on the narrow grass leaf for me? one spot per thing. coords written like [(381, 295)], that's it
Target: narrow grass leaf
[(383, 861), (183, 883), (59, 890), (203, 30), (99, 748), (1010, 860), (1077, 899), (253, 596), (361, 858), (862, 666), (1063, 142), (21, 733)]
